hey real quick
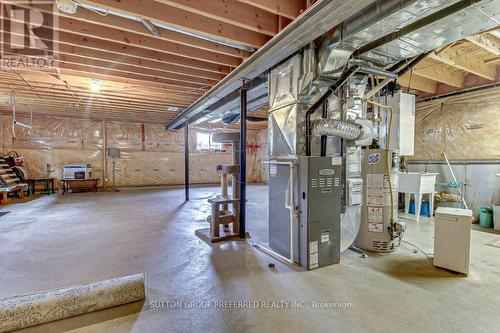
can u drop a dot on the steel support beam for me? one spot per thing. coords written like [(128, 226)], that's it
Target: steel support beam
[(243, 159), (186, 160)]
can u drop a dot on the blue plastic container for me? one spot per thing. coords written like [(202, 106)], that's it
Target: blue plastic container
[(411, 209), (424, 209)]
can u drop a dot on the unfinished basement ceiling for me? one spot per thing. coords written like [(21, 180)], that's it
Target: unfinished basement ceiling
[(151, 58)]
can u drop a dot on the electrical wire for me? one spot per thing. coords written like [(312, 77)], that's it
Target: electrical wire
[(428, 255)]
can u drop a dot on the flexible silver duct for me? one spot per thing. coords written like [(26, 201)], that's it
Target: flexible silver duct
[(334, 127)]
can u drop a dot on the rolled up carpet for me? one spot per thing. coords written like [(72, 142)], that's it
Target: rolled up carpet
[(28, 310)]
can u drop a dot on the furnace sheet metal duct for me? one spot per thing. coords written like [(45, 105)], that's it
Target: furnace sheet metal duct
[(28, 310), (333, 127)]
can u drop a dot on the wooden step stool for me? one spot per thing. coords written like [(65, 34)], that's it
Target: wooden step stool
[(225, 217)]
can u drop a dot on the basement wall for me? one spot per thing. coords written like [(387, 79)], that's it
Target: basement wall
[(467, 128), (150, 156)]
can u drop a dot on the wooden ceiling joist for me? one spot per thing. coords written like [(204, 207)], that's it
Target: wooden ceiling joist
[(64, 49), (71, 30), (73, 43), (286, 8), (232, 12), (126, 25), (75, 97), (45, 102), (440, 73), (114, 74), (187, 21), (97, 115), (82, 84), (487, 42), (154, 99), (62, 102), (140, 82), (416, 82), (466, 62), (107, 66)]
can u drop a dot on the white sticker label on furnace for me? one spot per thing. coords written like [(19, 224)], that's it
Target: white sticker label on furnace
[(313, 247), (313, 260), (273, 170), (336, 160), (353, 167), (325, 236)]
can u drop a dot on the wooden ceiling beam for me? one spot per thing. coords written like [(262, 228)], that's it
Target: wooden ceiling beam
[(116, 73), (466, 62), (286, 8), (185, 20), (486, 42), (11, 84), (81, 81), (105, 34), (145, 42), (492, 60), (231, 12), (124, 24), (418, 83), (89, 73), (76, 97), (120, 50), (440, 73), (99, 115), (69, 50), (41, 103), (106, 66), (48, 100)]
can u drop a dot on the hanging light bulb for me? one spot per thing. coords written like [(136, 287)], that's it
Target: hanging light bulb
[(95, 85)]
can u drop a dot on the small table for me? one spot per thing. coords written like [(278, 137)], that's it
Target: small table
[(32, 182), (66, 183)]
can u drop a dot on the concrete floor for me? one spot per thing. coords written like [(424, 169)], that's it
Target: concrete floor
[(56, 241)]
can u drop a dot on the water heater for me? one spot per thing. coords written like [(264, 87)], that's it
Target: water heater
[(378, 167)]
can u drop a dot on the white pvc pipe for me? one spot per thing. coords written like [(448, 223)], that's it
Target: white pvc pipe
[(290, 207), (267, 250)]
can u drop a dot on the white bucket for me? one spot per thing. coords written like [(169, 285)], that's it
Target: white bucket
[(496, 216)]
